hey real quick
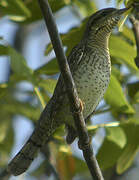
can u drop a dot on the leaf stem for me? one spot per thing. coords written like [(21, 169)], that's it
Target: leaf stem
[(38, 93)]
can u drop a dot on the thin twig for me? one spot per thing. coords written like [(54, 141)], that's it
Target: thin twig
[(37, 91), (71, 91)]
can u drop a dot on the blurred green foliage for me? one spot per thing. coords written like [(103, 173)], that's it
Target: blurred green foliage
[(121, 142)]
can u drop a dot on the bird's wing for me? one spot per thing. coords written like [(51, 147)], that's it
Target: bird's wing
[(74, 59)]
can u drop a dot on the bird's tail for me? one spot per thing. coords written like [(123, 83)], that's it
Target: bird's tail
[(23, 159), (44, 129)]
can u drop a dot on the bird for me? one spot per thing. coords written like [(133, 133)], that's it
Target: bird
[(90, 66)]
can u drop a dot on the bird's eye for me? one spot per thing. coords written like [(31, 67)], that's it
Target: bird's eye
[(100, 14), (107, 11), (104, 13)]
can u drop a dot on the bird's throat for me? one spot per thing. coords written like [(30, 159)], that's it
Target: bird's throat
[(100, 40)]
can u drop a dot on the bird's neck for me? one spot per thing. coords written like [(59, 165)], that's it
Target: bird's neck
[(99, 40)]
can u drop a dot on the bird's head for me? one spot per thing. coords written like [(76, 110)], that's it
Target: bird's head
[(101, 23), (105, 19)]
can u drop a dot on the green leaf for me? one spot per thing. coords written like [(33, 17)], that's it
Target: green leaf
[(48, 84), (133, 89), (25, 12), (56, 6), (127, 157), (50, 68), (86, 7), (128, 33), (6, 135), (3, 50), (7, 143), (117, 135), (3, 89), (15, 9), (123, 51), (108, 154), (129, 2), (131, 148), (115, 97), (119, 1), (18, 63), (11, 107), (3, 127), (49, 48), (117, 73), (33, 7)]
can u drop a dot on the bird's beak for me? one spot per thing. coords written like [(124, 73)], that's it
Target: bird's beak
[(121, 11)]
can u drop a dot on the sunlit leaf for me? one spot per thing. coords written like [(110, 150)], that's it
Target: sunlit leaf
[(50, 68), (48, 84), (18, 63), (123, 52), (14, 9), (86, 7), (130, 2), (3, 50), (128, 33), (117, 135), (3, 89), (33, 7), (115, 97), (131, 148), (117, 73), (56, 6), (6, 139), (108, 154), (122, 21)]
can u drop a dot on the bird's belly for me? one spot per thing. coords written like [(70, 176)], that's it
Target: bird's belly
[(91, 85)]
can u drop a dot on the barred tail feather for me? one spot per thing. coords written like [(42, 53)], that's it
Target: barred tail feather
[(44, 129), (23, 159)]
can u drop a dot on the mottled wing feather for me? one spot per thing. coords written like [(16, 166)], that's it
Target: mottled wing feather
[(74, 59)]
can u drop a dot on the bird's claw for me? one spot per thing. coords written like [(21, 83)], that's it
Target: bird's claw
[(81, 105)]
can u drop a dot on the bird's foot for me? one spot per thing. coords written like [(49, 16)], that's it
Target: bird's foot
[(81, 105)]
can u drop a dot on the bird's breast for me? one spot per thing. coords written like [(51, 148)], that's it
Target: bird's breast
[(92, 79)]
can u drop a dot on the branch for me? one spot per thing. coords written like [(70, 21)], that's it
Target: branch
[(134, 19), (71, 91)]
